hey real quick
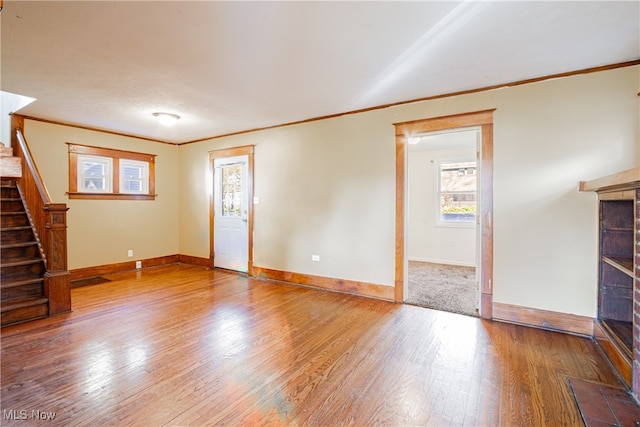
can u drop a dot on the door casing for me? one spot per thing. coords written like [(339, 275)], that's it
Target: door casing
[(232, 152), (484, 121)]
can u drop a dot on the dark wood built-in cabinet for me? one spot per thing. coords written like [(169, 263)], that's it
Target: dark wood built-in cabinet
[(618, 261), (615, 293)]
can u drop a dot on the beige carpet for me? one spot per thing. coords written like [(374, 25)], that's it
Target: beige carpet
[(442, 287)]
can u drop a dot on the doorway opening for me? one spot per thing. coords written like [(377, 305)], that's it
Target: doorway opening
[(231, 209), (482, 120), (442, 211)]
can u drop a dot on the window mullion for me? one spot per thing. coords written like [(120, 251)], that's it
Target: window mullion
[(116, 175)]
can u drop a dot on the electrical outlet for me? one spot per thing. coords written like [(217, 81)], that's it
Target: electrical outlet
[(130, 253), (138, 265), (315, 257)]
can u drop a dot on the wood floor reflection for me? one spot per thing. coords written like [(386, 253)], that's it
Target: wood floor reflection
[(183, 345)]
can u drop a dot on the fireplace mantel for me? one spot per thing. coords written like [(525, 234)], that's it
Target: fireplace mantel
[(625, 180)]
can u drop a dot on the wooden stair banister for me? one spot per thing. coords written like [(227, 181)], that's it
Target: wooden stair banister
[(50, 223)]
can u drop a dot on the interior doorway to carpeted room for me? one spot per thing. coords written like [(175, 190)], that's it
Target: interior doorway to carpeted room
[(443, 287), (442, 238)]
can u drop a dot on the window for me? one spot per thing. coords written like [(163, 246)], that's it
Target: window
[(94, 174), (134, 177), (457, 192), (104, 173)]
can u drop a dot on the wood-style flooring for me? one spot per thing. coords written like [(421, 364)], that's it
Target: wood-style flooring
[(182, 345)]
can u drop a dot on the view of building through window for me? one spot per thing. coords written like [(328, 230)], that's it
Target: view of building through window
[(95, 173), (134, 176), (457, 191)]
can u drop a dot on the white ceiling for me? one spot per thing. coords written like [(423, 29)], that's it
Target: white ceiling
[(226, 67)]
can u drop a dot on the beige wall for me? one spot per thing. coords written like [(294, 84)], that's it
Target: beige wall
[(318, 195), (426, 240), (101, 231), (328, 187)]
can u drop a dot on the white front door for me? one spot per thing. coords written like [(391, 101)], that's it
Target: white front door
[(231, 209)]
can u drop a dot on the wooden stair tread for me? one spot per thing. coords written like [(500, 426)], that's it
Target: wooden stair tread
[(16, 283), (10, 166), (21, 227), (13, 305), (20, 245), (21, 262)]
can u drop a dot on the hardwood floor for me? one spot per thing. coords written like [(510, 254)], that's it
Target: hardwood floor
[(183, 345)]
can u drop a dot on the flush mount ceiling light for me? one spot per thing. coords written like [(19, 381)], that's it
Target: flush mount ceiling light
[(166, 119)]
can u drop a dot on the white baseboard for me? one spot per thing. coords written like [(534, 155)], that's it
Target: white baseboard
[(442, 261)]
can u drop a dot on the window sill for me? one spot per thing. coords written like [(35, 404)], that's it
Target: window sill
[(456, 224), (111, 196)]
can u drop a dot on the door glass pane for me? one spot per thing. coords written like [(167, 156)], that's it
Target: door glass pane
[(231, 191)]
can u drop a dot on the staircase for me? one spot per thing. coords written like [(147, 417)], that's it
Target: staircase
[(22, 267)]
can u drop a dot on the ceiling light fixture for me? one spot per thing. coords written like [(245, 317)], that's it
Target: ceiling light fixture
[(166, 119)]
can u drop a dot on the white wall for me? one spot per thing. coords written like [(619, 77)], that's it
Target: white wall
[(426, 240), (328, 187)]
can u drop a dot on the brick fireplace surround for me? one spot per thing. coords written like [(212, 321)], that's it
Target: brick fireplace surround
[(618, 330)]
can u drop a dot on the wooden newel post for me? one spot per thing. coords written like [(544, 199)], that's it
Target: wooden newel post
[(57, 279)]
